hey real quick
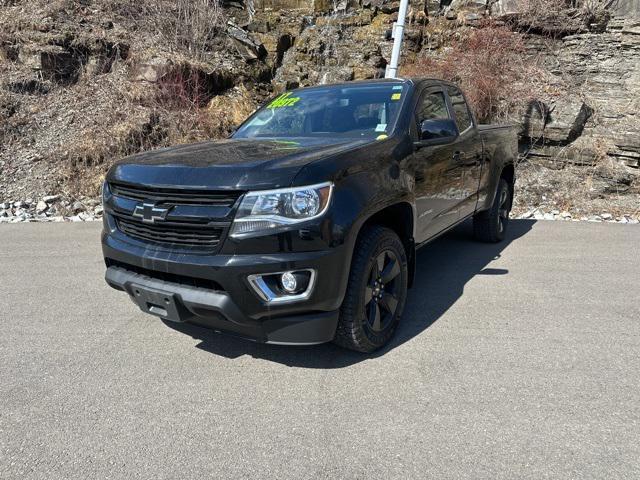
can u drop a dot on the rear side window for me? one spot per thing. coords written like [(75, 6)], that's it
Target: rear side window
[(460, 109), (432, 106)]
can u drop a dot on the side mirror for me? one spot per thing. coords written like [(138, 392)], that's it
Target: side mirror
[(438, 131)]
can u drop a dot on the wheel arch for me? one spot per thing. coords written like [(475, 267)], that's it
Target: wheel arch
[(399, 217), (506, 171), (509, 173)]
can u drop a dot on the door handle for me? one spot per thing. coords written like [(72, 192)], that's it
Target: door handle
[(457, 156)]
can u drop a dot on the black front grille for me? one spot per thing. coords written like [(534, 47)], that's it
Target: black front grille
[(208, 237), (161, 196), (197, 219)]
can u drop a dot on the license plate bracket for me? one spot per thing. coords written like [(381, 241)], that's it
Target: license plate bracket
[(159, 303)]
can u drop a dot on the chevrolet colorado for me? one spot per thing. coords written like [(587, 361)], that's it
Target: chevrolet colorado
[(303, 227)]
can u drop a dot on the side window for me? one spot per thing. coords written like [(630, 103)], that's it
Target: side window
[(432, 106), (460, 109)]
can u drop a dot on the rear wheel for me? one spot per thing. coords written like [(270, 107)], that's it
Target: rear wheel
[(376, 291), (491, 225)]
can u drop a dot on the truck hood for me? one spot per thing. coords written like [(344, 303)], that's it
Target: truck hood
[(235, 164)]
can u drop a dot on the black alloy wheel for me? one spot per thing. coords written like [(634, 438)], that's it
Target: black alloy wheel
[(381, 292), (376, 291)]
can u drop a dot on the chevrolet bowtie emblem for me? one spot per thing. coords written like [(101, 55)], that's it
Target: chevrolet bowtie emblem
[(149, 213)]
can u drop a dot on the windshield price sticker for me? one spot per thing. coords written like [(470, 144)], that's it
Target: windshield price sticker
[(396, 96), (284, 100)]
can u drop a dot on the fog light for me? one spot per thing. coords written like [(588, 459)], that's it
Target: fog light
[(289, 282), (284, 287)]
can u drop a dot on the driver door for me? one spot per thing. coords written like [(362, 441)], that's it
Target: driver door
[(438, 173)]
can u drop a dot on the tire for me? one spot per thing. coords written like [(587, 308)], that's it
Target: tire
[(491, 225), (371, 311)]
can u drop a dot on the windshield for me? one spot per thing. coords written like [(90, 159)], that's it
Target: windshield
[(345, 111)]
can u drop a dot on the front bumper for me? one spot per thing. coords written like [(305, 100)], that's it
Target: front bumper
[(227, 302), (216, 310)]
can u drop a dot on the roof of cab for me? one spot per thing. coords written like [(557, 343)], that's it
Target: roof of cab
[(433, 81), (357, 82), (410, 81)]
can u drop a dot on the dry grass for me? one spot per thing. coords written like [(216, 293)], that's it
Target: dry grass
[(582, 191), (85, 160), (544, 8), (225, 113), (174, 111)]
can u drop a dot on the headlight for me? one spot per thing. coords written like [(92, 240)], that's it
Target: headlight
[(269, 209)]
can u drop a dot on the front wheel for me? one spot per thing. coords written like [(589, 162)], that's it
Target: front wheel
[(491, 225), (376, 291)]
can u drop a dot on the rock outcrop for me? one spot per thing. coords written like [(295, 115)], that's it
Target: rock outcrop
[(604, 69)]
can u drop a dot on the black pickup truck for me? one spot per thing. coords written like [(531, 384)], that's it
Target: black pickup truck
[(303, 227)]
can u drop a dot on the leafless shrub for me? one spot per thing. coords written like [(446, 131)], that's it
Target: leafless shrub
[(491, 66), (197, 23), (190, 26), (182, 89)]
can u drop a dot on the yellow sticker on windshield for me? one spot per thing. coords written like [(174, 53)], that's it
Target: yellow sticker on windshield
[(396, 96), (284, 100)]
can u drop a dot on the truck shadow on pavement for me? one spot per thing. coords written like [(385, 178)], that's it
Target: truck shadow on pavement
[(442, 270)]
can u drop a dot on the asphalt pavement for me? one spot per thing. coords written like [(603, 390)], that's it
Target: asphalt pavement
[(518, 360)]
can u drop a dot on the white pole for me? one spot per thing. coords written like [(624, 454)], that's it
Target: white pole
[(398, 34)]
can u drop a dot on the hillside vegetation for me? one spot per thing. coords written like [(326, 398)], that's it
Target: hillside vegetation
[(85, 82)]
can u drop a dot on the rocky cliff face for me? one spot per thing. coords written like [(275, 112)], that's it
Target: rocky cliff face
[(599, 114), (82, 83)]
